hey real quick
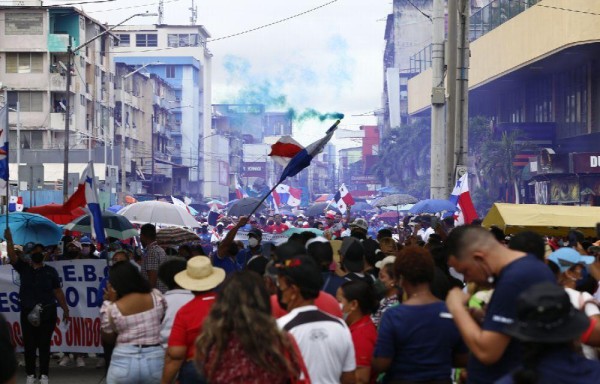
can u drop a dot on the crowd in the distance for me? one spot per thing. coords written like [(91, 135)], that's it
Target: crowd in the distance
[(434, 304)]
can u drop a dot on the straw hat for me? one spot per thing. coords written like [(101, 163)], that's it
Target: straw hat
[(200, 275)]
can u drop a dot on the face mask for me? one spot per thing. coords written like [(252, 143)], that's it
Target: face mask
[(252, 242), (37, 257), (344, 314)]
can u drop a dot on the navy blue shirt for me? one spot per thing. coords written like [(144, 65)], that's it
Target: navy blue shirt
[(227, 263), (37, 285), (331, 282), (513, 280), (563, 366), (419, 341)]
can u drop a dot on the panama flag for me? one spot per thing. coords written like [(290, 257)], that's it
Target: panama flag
[(462, 198), (3, 149), (288, 195), (294, 157), (86, 195), (15, 204), (239, 191), (343, 199)]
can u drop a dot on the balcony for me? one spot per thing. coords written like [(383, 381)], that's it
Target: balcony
[(57, 121), (58, 82), (495, 14)]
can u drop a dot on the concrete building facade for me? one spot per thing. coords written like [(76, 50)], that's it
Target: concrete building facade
[(178, 54)]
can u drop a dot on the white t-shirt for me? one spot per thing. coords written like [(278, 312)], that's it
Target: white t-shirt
[(176, 299), (324, 341), (579, 300), (425, 233)]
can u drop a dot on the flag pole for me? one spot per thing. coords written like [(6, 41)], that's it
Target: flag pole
[(5, 123), (263, 199)]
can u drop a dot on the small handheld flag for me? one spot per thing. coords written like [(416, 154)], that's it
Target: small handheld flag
[(343, 199)]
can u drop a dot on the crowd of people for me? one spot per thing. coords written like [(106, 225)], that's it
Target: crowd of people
[(423, 302)]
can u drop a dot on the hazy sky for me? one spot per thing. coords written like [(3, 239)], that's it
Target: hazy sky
[(329, 59)]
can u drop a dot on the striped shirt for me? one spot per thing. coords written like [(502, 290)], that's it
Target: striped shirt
[(325, 343)]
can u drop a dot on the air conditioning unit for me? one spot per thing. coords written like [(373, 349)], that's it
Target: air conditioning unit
[(178, 122)]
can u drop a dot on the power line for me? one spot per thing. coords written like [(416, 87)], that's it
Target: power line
[(274, 23), (419, 9), (87, 2)]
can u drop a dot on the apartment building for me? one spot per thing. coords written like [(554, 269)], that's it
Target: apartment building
[(178, 54), (33, 65)]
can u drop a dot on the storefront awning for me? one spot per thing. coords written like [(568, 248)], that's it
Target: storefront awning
[(551, 220)]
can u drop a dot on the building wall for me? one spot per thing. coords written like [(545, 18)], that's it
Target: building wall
[(532, 35)]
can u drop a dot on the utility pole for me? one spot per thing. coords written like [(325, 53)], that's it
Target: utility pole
[(67, 121), (461, 132), (18, 146), (451, 103), (439, 184), (152, 152)]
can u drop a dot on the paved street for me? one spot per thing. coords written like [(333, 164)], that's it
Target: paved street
[(71, 375)]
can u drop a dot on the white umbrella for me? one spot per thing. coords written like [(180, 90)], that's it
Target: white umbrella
[(159, 212)]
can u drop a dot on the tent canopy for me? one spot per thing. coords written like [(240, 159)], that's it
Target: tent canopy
[(551, 220)]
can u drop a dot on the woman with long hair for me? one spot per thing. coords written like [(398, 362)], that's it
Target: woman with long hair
[(240, 341), (131, 315), (389, 286)]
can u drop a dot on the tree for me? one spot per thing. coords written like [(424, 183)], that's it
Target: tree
[(404, 158)]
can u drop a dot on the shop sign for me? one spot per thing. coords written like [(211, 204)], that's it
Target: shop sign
[(586, 162)]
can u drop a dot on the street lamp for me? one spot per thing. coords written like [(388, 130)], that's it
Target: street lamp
[(70, 53), (123, 148)]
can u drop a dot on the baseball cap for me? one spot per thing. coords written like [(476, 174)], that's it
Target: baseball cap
[(386, 260), (353, 254), (566, 257), (255, 232), (85, 240), (360, 223), (303, 272), (75, 243)]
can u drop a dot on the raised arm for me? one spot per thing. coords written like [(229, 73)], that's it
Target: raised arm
[(228, 240), (10, 246)]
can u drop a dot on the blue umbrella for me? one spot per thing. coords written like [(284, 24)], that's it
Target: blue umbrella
[(432, 206), (31, 228), (115, 208)]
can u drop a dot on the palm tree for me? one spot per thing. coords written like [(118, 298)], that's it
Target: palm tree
[(498, 158)]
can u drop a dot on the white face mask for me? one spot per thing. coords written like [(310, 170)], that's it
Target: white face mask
[(344, 314), (252, 242)]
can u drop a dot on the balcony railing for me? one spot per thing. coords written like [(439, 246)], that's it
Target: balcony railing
[(483, 21), (495, 14)]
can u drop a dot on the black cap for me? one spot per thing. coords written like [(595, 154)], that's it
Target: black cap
[(353, 254), (255, 232), (303, 272), (545, 315)]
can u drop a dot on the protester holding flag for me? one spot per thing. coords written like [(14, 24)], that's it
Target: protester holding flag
[(39, 290)]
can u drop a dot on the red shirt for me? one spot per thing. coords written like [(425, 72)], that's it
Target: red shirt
[(188, 322), (325, 302), (364, 337), (277, 229)]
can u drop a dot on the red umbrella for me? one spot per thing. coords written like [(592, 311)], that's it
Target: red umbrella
[(57, 213)]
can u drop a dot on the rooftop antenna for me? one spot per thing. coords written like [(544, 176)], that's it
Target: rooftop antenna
[(161, 12), (194, 10)]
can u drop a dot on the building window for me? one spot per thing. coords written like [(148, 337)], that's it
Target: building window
[(32, 139), (23, 23), (176, 40), (170, 71), (24, 62), (28, 101), (124, 40), (146, 40), (82, 100)]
